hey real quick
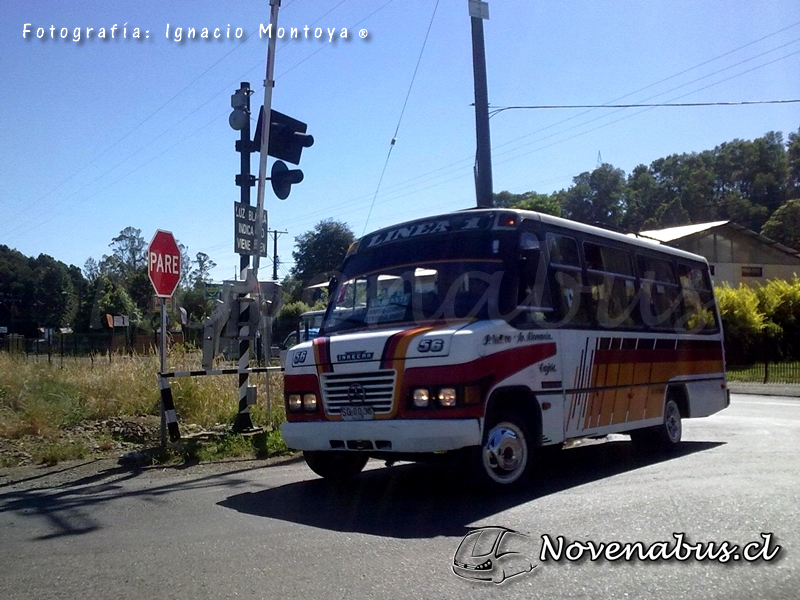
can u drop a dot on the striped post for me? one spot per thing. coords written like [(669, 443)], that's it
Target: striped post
[(243, 422), (169, 409)]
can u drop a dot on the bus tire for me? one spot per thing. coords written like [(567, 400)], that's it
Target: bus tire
[(334, 465), (666, 436), (506, 454)]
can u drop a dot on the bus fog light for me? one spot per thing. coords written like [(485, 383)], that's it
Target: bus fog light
[(294, 402), (421, 397), (309, 402), (447, 397)]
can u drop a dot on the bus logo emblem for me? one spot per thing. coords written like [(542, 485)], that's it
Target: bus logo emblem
[(356, 394)]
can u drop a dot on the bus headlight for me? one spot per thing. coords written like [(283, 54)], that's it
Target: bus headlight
[(447, 396), (310, 402), (294, 402), (421, 397)]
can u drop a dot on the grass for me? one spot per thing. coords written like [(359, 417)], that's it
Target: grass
[(38, 399)]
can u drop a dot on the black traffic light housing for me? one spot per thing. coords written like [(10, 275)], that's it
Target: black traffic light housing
[(287, 136)]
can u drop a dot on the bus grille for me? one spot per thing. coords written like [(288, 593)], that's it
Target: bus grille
[(376, 389)]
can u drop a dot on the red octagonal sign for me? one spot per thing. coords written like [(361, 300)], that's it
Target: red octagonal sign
[(164, 264)]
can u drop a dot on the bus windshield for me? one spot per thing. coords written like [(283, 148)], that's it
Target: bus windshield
[(413, 293)]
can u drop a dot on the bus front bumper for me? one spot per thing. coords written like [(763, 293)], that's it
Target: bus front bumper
[(398, 435)]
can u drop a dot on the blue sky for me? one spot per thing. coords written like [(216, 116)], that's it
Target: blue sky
[(99, 135)]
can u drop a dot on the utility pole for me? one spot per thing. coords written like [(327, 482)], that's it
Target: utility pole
[(275, 233), (478, 11)]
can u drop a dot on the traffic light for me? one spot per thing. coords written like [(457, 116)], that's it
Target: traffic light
[(240, 102), (287, 136)]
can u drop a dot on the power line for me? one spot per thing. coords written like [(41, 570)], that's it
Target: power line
[(664, 104), (402, 112)]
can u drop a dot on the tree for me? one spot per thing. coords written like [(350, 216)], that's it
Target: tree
[(129, 252), (641, 199), (201, 274), (544, 203), (320, 252), (793, 159), (596, 197), (784, 225)]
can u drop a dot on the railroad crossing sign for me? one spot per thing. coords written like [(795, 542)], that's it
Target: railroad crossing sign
[(164, 264)]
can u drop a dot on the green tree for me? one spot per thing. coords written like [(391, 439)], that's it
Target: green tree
[(201, 273), (596, 197), (784, 225), (319, 253), (793, 166)]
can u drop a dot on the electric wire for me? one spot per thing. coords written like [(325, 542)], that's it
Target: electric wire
[(402, 112)]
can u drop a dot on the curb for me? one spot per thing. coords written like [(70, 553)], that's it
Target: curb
[(765, 389)]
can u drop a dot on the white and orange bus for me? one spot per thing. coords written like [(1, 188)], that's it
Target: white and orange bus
[(493, 333)]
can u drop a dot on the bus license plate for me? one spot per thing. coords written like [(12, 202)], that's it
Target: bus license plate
[(357, 413)]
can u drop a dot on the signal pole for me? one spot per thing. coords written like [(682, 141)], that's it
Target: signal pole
[(240, 119), (269, 83), (478, 11)]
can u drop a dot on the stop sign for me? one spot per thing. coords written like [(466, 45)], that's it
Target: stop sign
[(164, 264)]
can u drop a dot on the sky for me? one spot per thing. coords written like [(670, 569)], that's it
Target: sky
[(102, 134)]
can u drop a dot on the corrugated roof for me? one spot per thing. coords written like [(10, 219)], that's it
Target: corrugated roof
[(675, 233), (670, 234)]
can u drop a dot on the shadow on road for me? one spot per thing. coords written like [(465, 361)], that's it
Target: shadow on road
[(68, 508), (422, 501)]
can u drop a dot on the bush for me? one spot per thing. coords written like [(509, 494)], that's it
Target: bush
[(779, 300), (742, 322)]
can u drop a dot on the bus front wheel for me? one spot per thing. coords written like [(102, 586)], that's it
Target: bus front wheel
[(506, 454), (334, 465)]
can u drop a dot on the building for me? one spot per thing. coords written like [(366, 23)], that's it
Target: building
[(736, 254)]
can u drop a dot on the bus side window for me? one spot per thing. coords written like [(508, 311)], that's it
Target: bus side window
[(567, 279), (612, 284), (660, 292), (699, 314), (533, 293)]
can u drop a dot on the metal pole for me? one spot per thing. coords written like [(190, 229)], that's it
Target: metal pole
[(163, 369), (269, 83), (483, 177)]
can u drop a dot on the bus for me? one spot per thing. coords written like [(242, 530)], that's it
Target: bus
[(489, 335)]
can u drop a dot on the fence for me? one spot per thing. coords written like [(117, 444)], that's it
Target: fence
[(87, 344), (766, 372)]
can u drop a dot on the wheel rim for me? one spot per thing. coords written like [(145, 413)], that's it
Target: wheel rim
[(672, 422), (505, 453)]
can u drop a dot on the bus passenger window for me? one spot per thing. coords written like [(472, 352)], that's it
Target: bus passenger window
[(698, 314), (612, 285), (660, 292), (567, 279), (533, 294)]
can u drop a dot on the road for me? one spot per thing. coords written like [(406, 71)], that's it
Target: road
[(243, 531)]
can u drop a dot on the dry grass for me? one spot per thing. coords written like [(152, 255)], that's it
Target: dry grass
[(38, 398)]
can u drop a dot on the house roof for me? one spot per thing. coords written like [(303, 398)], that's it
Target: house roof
[(675, 233), (671, 234)]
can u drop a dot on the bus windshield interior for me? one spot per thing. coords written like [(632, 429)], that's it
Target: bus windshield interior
[(435, 290)]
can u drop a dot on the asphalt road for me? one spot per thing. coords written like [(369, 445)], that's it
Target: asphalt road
[(244, 531)]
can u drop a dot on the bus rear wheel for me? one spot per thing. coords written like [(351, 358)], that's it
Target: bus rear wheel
[(506, 454), (336, 466), (666, 436)]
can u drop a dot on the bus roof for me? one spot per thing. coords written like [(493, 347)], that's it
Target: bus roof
[(490, 219)]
